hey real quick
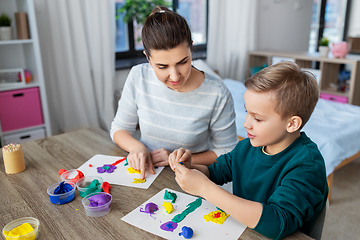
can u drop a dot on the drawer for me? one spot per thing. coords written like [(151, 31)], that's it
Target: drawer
[(20, 109), (333, 98), (24, 136)]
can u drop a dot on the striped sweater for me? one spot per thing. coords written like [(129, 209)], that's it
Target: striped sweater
[(200, 120)]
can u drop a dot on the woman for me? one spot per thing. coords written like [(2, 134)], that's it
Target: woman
[(175, 104)]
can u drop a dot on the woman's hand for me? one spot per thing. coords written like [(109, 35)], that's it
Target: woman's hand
[(138, 159), (191, 181), (180, 155), (160, 157)]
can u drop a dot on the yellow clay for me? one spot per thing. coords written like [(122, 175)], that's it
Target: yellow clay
[(138, 180), (168, 207), (131, 170), (216, 217), (17, 232)]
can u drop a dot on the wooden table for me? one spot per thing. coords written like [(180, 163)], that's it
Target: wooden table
[(24, 194)]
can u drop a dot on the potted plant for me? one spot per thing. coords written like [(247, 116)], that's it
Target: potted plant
[(324, 47), (139, 10), (5, 27)]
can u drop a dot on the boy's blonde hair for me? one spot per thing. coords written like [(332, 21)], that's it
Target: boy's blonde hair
[(296, 92)]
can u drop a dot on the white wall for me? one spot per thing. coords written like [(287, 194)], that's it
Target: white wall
[(354, 20), (284, 25)]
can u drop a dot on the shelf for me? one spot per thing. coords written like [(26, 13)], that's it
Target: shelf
[(27, 85), (16, 42), (329, 68)]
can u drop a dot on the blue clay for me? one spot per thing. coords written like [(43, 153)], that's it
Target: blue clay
[(186, 232)]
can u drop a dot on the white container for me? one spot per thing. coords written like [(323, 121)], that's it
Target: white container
[(16, 223), (5, 33), (99, 210)]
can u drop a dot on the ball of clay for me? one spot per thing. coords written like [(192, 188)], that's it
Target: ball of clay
[(186, 232)]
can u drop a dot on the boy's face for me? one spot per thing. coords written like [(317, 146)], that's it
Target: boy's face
[(264, 126)]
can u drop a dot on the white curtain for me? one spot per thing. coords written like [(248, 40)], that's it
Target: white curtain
[(232, 28), (77, 49)]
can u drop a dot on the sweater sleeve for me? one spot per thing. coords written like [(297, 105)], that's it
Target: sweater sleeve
[(222, 126), (300, 198), (126, 117)]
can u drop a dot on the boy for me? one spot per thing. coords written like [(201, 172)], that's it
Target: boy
[(278, 173)]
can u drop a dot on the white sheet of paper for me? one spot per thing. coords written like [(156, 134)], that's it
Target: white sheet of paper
[(120, 176), (230, 229)]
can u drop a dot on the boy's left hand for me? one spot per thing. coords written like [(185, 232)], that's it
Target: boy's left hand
[(191, 181)]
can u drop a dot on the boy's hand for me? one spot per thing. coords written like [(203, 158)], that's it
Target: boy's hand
[(191, 181), (160, 157), (138, 159), (180, 155)]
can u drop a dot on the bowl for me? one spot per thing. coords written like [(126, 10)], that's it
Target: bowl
[(86, 186), (61, 198), (100, 210), (71, 175), (18, 222)]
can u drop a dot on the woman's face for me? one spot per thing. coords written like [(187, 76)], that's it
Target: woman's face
[(172, 67)]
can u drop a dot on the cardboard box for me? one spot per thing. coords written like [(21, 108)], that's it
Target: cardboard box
[(22, 26)]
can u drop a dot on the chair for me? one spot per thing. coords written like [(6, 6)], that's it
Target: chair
[(316, 232)]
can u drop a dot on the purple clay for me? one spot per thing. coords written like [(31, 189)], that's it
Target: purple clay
[(100, 170), (98, 200), (111, 169), (150, 208), (169, 226), (186, 232)]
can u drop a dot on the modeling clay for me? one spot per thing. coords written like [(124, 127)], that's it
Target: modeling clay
[(170, 196), (186, 232), (76, 178), (98, 200), (138, 180), (189, 209), (150, 208), (169, 226), (216, 217), (23, 229), (63, 188), (131, 170), (106, 187), (92, 187), (119, 161), (106, 168), (168, 207)]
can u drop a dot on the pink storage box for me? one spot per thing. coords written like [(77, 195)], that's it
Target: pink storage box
[(20, 109), (333, 98)]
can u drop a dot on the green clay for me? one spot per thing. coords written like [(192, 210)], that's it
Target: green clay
[(189, 209), (93, 187), (170, 196)]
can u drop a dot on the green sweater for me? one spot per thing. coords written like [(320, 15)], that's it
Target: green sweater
[(291, 185)]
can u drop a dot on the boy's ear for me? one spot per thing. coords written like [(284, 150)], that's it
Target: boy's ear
[(146, 55), (294, 124)]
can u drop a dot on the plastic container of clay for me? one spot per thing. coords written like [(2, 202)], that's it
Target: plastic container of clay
[(61, 198), (84, 188), (70, 175), (104, 204), (35, 224)]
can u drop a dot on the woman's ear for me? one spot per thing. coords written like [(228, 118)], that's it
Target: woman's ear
[(294, 124)]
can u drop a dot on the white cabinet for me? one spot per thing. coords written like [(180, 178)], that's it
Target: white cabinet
[(22, 101)]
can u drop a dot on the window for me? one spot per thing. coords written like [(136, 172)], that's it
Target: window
[(128, 38), (329, 19)]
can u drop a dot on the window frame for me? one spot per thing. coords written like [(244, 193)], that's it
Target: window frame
[(132, 56)]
